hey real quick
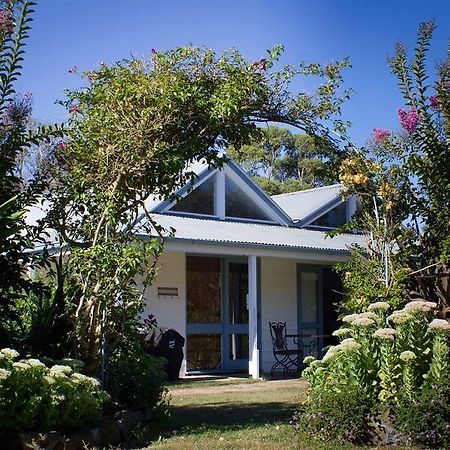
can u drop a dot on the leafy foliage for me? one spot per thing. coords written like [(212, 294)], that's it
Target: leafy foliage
[(16, 136), (33, 396), (403, 186), (283, 162), (136, 379), (335, 415), (427, 418), (383, 362)]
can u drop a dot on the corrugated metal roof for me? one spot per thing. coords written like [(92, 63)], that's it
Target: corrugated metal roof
[(253, 234), (302, 204)]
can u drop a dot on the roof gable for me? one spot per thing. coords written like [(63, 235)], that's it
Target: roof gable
[(306, 206), (226, 193)]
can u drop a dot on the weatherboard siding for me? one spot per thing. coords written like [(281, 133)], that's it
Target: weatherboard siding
[(169, 312), (278, 301)]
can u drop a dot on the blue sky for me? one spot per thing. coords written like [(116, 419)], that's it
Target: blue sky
[(86, 32)]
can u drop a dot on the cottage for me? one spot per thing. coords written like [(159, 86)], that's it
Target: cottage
[(238, 259)]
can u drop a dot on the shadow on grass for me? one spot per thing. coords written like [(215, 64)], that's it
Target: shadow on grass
[(228, 416)]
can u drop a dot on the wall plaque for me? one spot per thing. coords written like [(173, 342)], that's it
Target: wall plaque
[(167, 292)]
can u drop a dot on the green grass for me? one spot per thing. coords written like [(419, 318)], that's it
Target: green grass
[(200, 383), (232, 414)]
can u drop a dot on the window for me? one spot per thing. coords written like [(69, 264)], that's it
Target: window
[(333, 218), (238, 204), (198, 201)]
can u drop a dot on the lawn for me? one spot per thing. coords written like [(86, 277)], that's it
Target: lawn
[(235, 414)]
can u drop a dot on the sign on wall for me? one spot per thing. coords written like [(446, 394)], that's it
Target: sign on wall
[(168, 292)]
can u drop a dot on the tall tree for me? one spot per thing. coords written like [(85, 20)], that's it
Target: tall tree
[(134, 130), (281, 161)]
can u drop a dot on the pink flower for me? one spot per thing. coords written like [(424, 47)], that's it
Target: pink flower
[(262, 64), (73, 69), (380, 135), (6, 22), (62, 145), (409, 119), (75, 108), (434, 102)]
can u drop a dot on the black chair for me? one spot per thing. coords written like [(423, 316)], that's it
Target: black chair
[(286, 358)]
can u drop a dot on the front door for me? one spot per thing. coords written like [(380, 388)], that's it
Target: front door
[(217, 314), (310, 308)]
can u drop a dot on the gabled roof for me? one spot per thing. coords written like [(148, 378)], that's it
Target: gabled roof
[(255, 235), (305, 206), (203, 172)]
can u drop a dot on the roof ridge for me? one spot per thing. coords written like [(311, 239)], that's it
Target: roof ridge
[(308, 190)]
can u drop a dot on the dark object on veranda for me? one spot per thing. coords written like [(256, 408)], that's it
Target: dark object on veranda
[(166, 343), (286, 358)]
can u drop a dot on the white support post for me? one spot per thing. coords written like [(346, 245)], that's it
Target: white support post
[(220, 194), (253, 353)]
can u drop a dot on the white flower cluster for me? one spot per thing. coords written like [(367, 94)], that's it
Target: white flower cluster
[(385, 333), (308, 359), (59, 371), (350, 318), (399, 317), (440, 325), (4, 374), (331, 353), (348, 345), (407, 356), (341, 332), (363, 322), (315, 364), (49, 379), (21, 366), (80, 378), (363, 319), (379, 306), (33, 362), (9, 353), (420, 306), (368, 315)]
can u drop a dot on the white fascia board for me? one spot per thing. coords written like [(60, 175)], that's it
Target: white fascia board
[(307, 256)]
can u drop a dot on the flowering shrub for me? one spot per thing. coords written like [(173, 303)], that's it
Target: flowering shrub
[(393, 361), (33, 396)]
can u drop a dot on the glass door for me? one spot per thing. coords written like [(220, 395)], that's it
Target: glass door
[(204, 313), (309, 308), (217, 314)]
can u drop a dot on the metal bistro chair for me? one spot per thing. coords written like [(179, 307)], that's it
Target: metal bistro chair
[(286, 358)]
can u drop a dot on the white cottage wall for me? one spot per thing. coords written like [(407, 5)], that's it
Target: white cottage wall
[(169, 312), (278, 301)]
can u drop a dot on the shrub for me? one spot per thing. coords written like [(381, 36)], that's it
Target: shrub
[(135, 379), (33, 396), (341, 414), (426, 419), (398, 364)]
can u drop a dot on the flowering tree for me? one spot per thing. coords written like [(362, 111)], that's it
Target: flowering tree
[(16, 135), (403, 186), (134, 130)]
